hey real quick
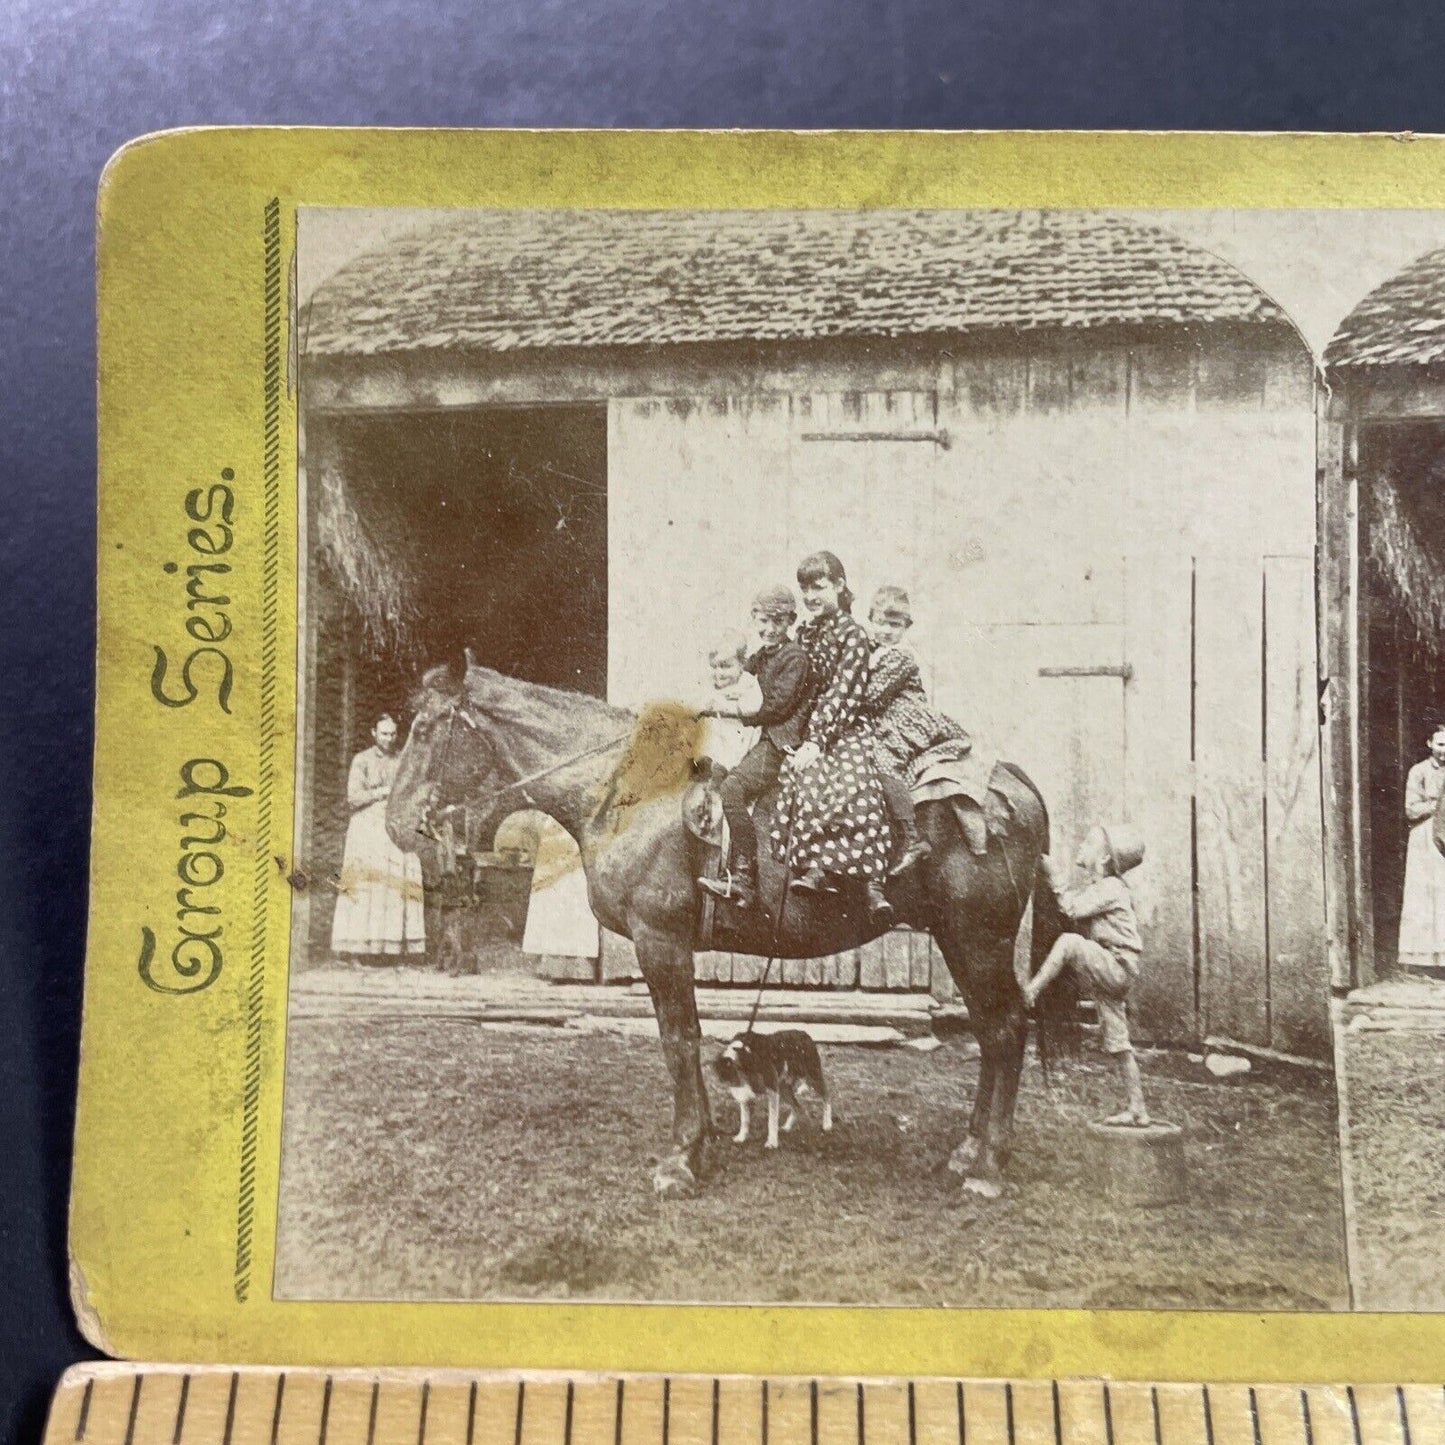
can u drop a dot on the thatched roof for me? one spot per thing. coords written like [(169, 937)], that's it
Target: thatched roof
[(505, 281), (378, 583), (1401, 323)]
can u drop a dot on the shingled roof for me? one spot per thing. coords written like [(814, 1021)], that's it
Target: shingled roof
[(505, 281), (1401, 323)]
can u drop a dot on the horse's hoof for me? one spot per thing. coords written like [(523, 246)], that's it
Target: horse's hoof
[(962, 1160), (672, 1179), (984, 1188)]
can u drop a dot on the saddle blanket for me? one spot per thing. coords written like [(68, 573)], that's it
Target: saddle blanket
[(937, 776), (967, 781)]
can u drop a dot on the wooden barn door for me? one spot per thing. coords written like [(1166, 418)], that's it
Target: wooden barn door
[(1259, 887), (711, 498)]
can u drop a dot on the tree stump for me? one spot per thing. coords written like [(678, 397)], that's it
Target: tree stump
[(1139, 1164)]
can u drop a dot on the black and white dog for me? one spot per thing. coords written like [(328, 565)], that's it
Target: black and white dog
[(775, 1065)]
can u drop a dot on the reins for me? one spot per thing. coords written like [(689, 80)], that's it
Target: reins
[(521, 783), (778, 916)]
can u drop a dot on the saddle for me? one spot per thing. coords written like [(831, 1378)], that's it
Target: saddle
[(975, 785)]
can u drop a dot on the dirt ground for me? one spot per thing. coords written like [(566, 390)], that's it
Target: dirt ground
[(438, 1158), (1393, 1062)]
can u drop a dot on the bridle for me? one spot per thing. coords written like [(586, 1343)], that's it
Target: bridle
[(436, 770)]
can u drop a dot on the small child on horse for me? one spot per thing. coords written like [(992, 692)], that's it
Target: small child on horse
[(733, 693), (902, 721), (781, 668), (1104, 955)]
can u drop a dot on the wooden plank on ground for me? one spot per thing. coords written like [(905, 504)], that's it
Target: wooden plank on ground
[(1158, 791), (1295, 892), (1229, 746)]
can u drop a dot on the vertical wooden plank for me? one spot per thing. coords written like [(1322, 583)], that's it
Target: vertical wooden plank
[(1362, 881), (1229, 746), (872, 969), (1158, 790), (1299, 966), (897, 969), (920, 966), (1335, 604)]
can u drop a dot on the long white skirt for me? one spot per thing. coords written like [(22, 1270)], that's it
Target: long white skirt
[(1422, 910), (379, 906), (559, 917)]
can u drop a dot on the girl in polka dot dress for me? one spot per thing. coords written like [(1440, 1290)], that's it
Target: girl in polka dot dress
[(831, 791)]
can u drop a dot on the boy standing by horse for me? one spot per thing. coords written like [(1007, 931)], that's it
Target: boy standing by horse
[(1104, 955), (781, 668)]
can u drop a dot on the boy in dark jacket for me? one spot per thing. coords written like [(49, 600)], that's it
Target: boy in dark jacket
[(781, 668)]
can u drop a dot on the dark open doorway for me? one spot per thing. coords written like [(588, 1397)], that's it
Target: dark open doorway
[(435, 532), (1402, 572)]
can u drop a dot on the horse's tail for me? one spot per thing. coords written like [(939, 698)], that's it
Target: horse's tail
[(1057, 1011)]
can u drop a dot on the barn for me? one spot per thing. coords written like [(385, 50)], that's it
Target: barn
[(579, 441), (1383, 585)]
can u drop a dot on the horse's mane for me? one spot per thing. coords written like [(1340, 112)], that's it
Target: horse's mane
[(531, 725)]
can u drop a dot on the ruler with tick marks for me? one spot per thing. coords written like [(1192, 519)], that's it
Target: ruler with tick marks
[(123, 1404)]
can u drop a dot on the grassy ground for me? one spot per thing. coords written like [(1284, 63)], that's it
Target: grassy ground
[(443, 1159), (1397, 1163)]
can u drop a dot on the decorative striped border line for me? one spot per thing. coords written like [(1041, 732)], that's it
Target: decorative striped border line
[(265, 777)]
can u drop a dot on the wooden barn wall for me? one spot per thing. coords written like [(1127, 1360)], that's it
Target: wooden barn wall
[(1110, 554)]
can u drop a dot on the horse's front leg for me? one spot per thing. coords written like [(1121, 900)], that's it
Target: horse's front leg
[(666, 963)]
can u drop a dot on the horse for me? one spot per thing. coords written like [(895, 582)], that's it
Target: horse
[(616, 780)]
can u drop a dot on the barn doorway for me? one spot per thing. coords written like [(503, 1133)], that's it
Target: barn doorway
[(482, 529), (1402, 573)]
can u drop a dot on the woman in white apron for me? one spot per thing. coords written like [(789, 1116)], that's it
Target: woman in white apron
[(559, 917), (1422, 910)]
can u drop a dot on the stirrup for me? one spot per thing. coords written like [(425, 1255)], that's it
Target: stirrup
[(732, 890)]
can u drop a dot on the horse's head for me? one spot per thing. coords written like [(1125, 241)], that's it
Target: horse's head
[(448, 758)]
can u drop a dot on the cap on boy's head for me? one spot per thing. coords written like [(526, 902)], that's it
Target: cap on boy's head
[(728, 644), (776, 602), (891, 604), (1125, 845)]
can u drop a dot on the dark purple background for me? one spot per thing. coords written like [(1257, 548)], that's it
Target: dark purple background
[(79, 77)]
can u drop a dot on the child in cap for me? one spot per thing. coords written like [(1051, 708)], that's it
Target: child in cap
[(780, 667), (902, 723), (1105, 954), (734, 691)]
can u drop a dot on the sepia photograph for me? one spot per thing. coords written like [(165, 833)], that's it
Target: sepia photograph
[(868, 757)]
